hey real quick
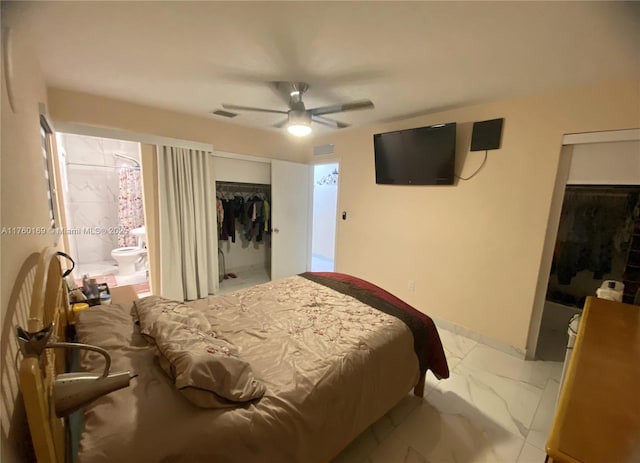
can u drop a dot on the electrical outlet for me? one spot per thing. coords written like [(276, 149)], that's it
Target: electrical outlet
[(412, 285)]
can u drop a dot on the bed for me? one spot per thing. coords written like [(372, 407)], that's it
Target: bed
[(327, 355)]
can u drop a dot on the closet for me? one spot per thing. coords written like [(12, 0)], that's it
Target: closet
[(597, 236), (596, 242), (243, 210)]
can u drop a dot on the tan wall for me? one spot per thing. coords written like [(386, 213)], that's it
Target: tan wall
[(473, 249), (73, 107), (24, 204)]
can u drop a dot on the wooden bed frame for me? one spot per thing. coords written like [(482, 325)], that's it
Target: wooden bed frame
[(49, 304)]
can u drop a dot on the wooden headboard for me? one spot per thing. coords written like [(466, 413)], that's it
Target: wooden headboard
[(49, 304), (16, 442)]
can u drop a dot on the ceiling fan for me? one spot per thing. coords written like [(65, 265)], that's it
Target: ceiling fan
[(299, 118)]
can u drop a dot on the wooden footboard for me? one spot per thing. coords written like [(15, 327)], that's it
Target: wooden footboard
[(419, 389)]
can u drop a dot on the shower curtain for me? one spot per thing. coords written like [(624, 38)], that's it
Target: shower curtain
[(130, 210)]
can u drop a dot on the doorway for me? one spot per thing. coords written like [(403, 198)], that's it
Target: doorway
[(325, 204), (594, 161), (105, 229), (595, 244)]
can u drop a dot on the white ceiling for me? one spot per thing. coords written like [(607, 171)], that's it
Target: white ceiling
[(409, 58)]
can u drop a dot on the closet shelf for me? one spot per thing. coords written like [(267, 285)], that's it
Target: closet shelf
[(239, 187)]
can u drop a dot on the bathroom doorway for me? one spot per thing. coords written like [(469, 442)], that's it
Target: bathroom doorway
[(102, 191), (325, 204)]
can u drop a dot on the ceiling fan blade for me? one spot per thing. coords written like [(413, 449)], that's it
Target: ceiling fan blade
[(338, 108), (329, 122), (250, 108), (281, 124)]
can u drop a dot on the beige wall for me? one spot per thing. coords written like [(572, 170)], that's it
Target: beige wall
[(73, 107), (24, 204), (473, 249)]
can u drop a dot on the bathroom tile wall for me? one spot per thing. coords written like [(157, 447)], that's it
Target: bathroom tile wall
[(91, 193)]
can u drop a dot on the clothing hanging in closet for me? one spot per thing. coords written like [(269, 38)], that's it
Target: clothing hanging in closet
[(254, 218), (227, 223), (593, 225), (251, 209)]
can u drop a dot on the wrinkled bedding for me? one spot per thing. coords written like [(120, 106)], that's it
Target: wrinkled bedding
[(205, 368), (331, 366)]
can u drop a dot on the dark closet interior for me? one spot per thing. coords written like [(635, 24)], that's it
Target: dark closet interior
[(598, 239)]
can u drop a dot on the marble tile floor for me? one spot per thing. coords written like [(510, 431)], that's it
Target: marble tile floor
[(245, 279), (553, 337), (493, 408)]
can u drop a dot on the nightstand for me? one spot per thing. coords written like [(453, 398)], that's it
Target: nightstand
[(123, 294)]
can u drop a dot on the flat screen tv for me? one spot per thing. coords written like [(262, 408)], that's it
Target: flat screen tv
[(421, 156)]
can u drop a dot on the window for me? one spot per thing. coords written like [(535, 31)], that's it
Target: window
[(46, 134)]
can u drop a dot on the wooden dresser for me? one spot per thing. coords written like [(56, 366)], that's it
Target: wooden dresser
[(598, 415)]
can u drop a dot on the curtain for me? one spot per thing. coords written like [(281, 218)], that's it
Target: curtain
[(130, 211), (188, 230)]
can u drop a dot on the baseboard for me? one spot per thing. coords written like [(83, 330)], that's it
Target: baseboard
[(482, 339)]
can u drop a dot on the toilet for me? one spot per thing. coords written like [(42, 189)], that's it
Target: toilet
[(129, 256)]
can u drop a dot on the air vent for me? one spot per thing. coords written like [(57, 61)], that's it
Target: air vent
[(327, 148), (223, 113)]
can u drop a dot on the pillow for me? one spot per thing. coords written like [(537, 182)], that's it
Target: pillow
[(195, 384), (207, 370), (108, 326), (156, 308)]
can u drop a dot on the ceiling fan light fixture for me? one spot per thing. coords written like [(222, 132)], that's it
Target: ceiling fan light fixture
[(299, 123), (299, 130), (299, 118)]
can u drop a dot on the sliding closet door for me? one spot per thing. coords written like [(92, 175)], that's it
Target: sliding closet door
[(289, 218)]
